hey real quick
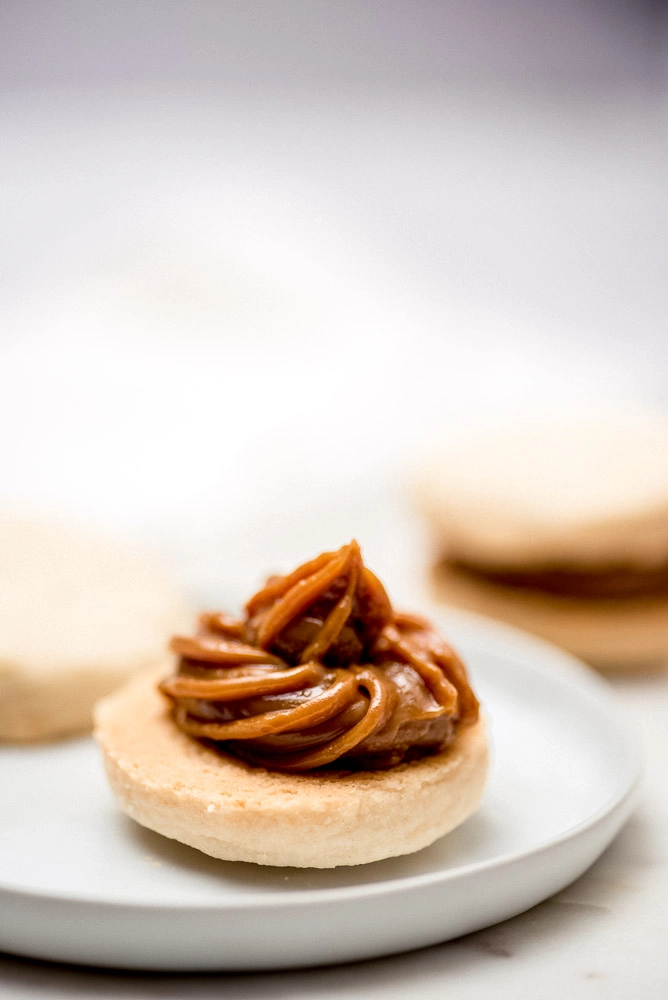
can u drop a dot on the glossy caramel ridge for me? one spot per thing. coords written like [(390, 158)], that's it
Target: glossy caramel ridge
[(321, 671)]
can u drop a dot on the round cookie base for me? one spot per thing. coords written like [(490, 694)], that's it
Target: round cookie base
[(225, 808), (613, 635), (80, 613), (58, 703)]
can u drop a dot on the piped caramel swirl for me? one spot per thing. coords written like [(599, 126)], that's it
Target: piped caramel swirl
[(320, 670)]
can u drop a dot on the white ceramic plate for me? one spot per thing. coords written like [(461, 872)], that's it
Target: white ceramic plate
[(81, 883)]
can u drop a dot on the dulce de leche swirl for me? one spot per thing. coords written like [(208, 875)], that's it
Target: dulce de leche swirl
[(321, 669)]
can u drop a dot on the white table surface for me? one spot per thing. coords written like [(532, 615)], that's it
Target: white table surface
[(393, 265)]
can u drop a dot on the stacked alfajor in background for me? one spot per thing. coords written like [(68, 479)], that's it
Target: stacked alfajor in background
[(558, 525)]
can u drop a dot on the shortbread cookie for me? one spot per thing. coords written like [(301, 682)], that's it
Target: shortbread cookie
[(321, 729), (559, 526), (78, 615), (187, 790)]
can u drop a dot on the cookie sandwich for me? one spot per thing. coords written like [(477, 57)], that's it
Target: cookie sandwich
[(559, 526), (321, 728)]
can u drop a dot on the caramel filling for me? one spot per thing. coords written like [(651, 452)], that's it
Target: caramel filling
[(582, 582), (320, 670)]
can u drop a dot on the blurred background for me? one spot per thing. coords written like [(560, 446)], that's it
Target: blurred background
[(256, 255)]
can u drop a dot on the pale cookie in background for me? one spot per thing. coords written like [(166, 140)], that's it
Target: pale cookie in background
[(78, 615), (559, 526), (187, 791)]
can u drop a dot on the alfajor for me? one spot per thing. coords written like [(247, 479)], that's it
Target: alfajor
[(320, 729), (78, 615), (559, 526)]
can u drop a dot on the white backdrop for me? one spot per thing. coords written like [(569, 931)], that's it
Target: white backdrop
[(252, 263)]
